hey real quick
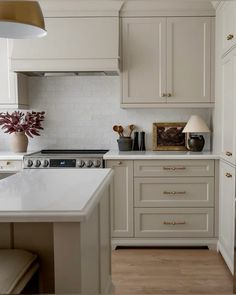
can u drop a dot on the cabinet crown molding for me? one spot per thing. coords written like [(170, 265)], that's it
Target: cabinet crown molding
[(76, 8), (153, 8)]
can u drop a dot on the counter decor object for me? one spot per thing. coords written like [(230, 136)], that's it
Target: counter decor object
[(21, 125), (169, 136), (136, 141), (196, 125), (142, 141), (125, 142)]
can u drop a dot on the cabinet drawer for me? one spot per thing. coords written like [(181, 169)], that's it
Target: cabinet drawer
[(174, 168), (174, 192), (10, 166), (174, 223)]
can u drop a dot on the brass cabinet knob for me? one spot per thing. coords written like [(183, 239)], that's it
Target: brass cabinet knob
[(169, 94), (229, 154), (164, 95), (230, 37), (229, 175)]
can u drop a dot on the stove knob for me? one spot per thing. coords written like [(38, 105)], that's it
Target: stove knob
[(45, 163), (88, 163), (29, 163), (37, 163), (96, 163), (80, 163)]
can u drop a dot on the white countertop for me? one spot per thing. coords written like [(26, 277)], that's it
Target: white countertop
[(52, 195), (8, 155), (159, 155)]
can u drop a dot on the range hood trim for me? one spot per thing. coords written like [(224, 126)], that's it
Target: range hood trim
[(38, 68)]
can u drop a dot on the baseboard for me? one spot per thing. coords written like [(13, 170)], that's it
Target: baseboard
[(211, 243)]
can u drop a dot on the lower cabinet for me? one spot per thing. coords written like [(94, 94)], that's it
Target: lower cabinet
[(174, 222), (227, 211), (122, 201), (163, 202)]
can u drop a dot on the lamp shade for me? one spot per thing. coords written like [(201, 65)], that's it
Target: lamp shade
[(21, 20), (196, 124)]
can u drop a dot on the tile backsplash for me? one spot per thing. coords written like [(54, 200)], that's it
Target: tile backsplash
[(80, 113)]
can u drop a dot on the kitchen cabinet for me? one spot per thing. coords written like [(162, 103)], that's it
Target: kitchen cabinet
[(13, 90), (144, 60), (227, 211), (169, 202), (122, 201), (167, 61), (228, 148), (228, 16)]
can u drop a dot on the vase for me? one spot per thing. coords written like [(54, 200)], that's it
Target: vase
[(19, 142)]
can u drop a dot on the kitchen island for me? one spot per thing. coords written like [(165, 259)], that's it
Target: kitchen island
[(63, 216)]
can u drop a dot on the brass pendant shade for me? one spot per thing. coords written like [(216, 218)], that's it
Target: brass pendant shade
[(21, 20)]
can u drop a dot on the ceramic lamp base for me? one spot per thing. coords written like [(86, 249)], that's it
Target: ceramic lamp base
[(196, 143)]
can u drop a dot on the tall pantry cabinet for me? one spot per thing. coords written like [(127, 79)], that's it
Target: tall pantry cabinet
[(225, 125)]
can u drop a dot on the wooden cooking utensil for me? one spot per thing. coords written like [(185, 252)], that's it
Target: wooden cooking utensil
[(116, 128), (131, 129), (121, 130)]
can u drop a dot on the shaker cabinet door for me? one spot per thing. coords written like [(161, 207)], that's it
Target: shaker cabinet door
[(188, 59), (13, 89), (228, 107), (144, 60), (227, 211), (122, 201)]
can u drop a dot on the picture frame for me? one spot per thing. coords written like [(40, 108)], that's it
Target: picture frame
[(169, 137)]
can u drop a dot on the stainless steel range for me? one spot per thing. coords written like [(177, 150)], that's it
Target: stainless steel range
[(47, 159)]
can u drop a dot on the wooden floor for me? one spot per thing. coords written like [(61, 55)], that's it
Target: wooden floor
[(170, 271)]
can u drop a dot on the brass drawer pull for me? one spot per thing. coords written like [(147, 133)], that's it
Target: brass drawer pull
[(230, 37), (119, 163), (229, 175), (174, 222), (174, 193), (164, 95), (229, 154), (169, 94), (174, 168)]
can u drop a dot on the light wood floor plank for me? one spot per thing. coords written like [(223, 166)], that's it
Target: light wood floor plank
[(170, 271)]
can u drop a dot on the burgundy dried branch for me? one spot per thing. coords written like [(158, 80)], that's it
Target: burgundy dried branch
[(30, 123)]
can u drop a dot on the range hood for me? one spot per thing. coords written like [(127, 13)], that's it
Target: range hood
[(78, 42), (71, 74)]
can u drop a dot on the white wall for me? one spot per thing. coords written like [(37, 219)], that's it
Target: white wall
[(80, 113)]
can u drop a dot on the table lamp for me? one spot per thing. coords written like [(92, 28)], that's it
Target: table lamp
[(195, 125)]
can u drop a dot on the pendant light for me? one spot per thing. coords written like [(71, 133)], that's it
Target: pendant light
[(21, 20)]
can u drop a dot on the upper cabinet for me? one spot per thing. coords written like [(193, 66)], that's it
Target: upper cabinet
[(228, 16), (13, 90), (144, 60), (167, 61)]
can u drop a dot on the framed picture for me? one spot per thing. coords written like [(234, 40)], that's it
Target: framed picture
[(169, 137)]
